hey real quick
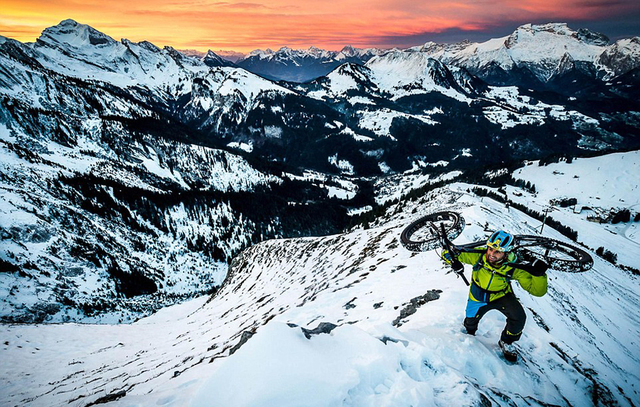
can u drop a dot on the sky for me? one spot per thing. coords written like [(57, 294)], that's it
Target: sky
[(245, 25)]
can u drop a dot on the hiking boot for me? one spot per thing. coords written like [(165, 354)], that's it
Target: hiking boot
[(509, 351)]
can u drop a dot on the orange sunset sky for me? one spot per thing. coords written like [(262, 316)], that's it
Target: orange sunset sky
[(247, 25)]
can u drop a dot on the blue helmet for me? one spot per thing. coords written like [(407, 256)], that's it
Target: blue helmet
[(501, 241)]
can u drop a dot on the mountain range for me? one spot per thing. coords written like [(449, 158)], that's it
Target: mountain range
[(303, 65), (533, 55), (132, 174)]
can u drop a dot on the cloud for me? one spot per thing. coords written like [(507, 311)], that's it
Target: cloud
[(603, 3), (245, 25), (15, 30)]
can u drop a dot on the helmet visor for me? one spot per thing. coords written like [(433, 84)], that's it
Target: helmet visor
[(496, 246), (501, 241)]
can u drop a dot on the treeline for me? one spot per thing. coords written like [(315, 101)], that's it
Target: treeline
[(288, 209), (565, 230), (379, 210), (609, 256)]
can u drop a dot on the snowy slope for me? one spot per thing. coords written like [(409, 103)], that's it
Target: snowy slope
[(579, 346), (600, 185), (406, 73), (64, 242)]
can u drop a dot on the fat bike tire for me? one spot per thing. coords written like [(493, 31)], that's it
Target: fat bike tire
[(559, 255), (424, 233)]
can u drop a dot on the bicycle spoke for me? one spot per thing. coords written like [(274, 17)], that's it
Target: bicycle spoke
[(424, 233), (560, 256)]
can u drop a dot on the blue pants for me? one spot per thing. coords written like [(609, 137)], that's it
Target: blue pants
[(508, 305)]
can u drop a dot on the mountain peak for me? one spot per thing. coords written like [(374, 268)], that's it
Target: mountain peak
[(72, 33), (349, 51), (212, 59), (262, 54), (560, 31), (285, 50), (558, 28)]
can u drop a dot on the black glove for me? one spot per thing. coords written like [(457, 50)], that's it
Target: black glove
[(457, 266), (538, 268)]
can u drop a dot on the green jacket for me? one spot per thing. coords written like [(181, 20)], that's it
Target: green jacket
[(495, 282)]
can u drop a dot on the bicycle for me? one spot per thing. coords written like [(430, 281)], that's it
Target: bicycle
[(440, 228)]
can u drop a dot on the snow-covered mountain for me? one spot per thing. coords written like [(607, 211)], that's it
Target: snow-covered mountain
[(544, 56), (80, 51), (111, 206), (540, 54), (212, 60), (230, 56), (132, 174), (133, 177), (354, 319), (297, 65), (300, 124)]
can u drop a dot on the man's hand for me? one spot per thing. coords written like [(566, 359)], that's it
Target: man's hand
[(455, 263), (538, 268), (446, 255)]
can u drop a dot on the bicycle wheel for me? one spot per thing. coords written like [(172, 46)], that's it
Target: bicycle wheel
[(424, 234), (559, 255)]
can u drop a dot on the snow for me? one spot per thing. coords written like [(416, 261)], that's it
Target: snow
[(37, 236), (248, 147), (384, 167), (534, 43), (608, 181), (599, 184), (247, 83), (349, 132), (512, 109), (379, 121), (359, 211), (340, 187), (340, 193), (273, 132), (340, 82), (328, 370), (395, 186), (578, 347), (402, 73), (541, 47), (344, 165), (572, 353), (440, 163), (360, 99)]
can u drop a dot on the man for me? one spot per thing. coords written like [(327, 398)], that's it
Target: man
[(493, 269)]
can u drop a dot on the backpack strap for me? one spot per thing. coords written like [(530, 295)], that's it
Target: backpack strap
[(479, 264)]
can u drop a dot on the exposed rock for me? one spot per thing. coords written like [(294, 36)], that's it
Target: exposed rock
[(322, 328), (414, 304)]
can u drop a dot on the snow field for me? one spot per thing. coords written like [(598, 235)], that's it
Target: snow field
[(599, 184), (579, 337), (432, 361)]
